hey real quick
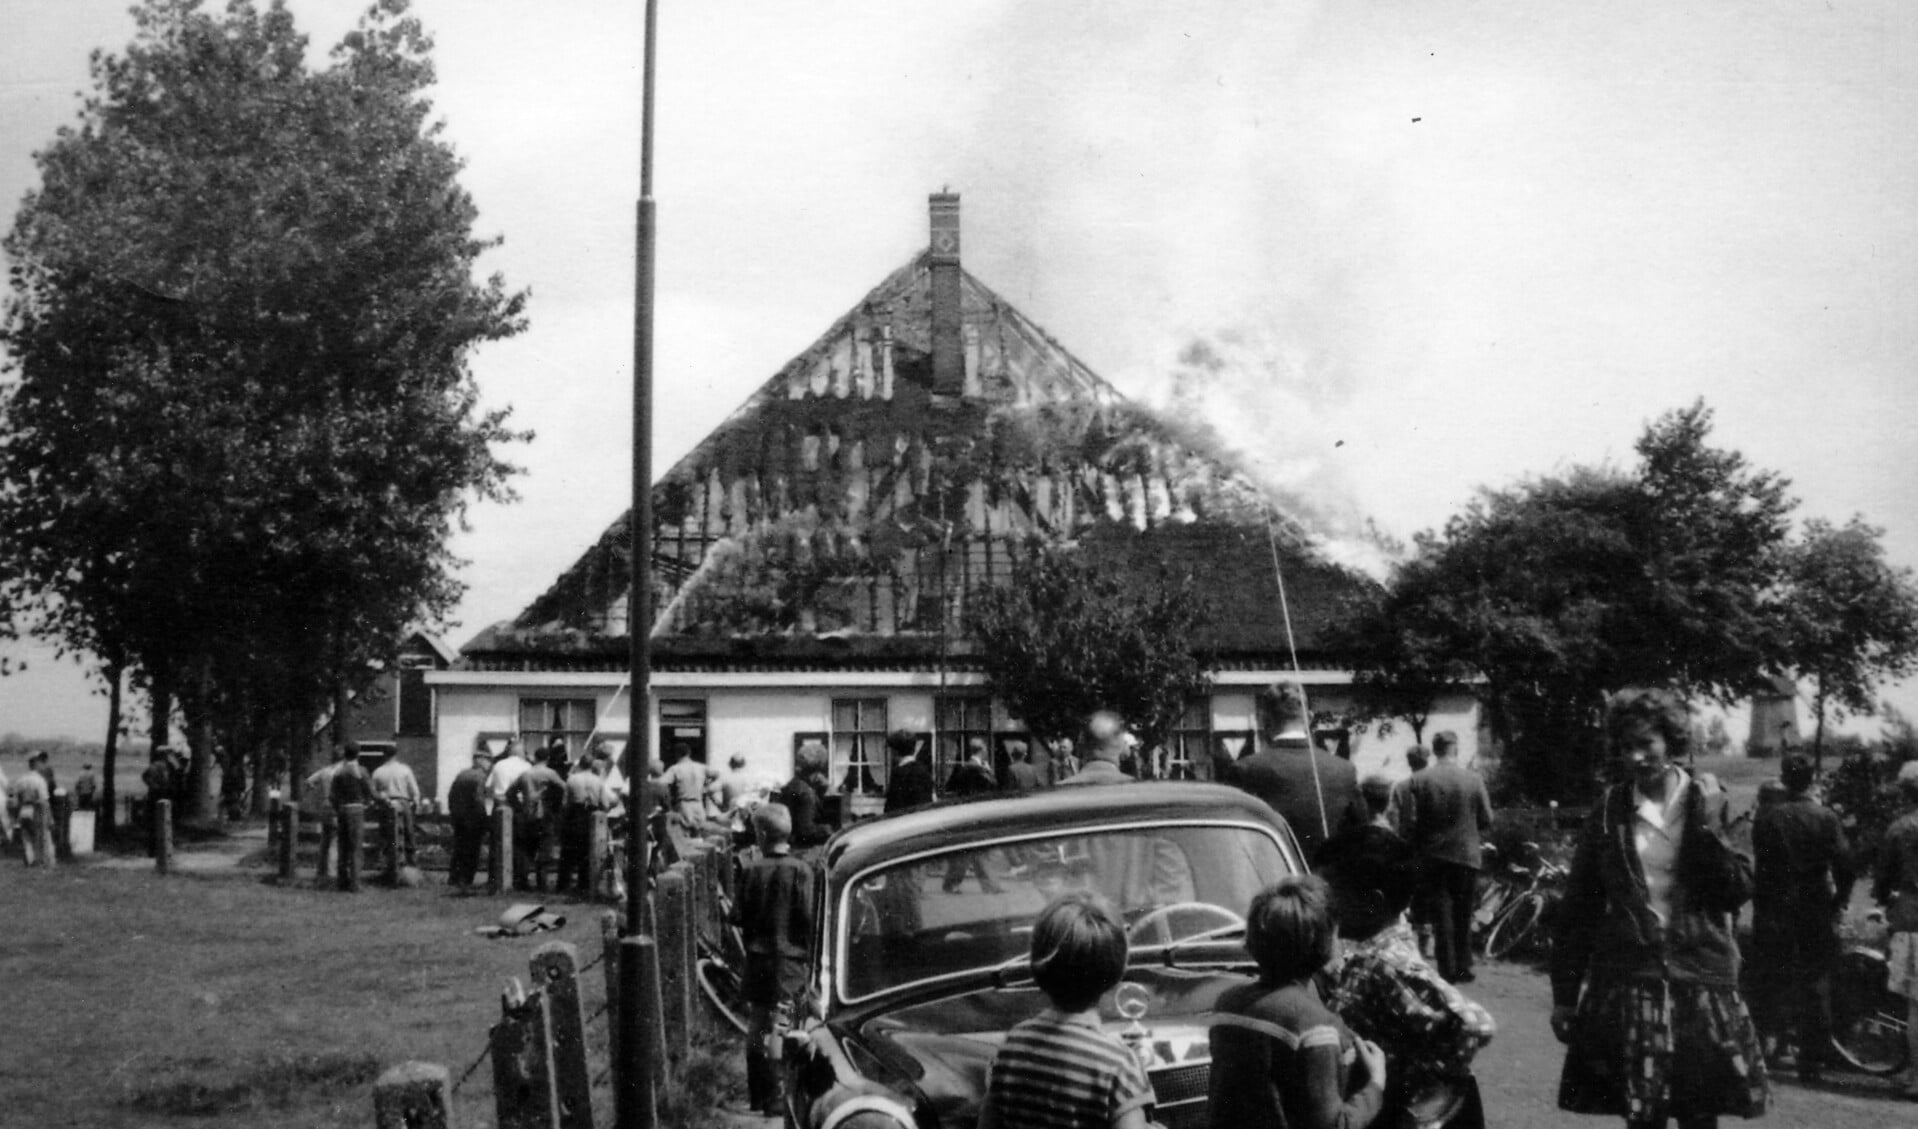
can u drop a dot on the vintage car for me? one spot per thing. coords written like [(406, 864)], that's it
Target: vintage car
[(925, 921)]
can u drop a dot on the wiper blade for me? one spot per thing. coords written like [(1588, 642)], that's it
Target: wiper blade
[(1168, 953)]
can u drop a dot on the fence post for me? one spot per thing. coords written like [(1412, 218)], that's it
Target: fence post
[(609, 960), (273, 806), (412, 1095), (596, 838), (162, 836), (287, 819), (555, 971), (499, 858), (641, 1068), (62, 826), (675, 936), (352, 855), (390, 845), (524, 1094)]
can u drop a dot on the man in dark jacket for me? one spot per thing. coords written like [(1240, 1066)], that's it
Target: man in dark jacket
[(774, 913), (1447, 815), (909, 784), (1317, 793), (1801, 883), (466, 810), (971, 778)]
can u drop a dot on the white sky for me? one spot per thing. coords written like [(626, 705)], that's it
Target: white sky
[(1445, 244)]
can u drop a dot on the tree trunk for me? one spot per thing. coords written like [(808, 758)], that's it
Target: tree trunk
[(1818, 734), (162, 698), (200, 744), (109, 762)]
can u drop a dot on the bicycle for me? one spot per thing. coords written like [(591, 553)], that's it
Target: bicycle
[(1868, 1018), (1515, 924)]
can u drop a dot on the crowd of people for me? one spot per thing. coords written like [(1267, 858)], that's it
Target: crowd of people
[(1356, 1017)]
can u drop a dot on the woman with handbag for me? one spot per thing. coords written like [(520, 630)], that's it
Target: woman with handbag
[(1896, 888), (1644, 967)]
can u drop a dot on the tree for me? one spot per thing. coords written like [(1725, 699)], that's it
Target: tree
[(242, 306), (1066, 637), (1853, 618), (1552, 594)]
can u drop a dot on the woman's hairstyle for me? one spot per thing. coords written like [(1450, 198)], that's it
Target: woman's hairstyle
[(809, 759), (1078, 950), (1661, 709), (1289, 929)]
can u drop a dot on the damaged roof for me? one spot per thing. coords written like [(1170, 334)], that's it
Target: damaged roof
[(854, 500)]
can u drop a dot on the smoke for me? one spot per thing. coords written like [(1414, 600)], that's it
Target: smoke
[(1270, 401)]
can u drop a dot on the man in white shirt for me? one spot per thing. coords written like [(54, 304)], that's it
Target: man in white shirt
[(395, 786), (510, 766)]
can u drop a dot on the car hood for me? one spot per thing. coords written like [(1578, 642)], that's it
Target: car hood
[(945, 1045)]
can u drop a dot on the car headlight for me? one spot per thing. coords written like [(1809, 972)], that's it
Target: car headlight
[(867, 1111)]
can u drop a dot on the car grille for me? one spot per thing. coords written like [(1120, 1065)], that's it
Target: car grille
[(1181, 1091)]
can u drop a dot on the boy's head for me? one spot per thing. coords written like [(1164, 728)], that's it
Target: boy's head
[(1078, 950), (773, 824), (1289, 929), (1377, 791)]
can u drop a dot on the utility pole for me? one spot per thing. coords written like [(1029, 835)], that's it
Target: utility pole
[(635, 1101)]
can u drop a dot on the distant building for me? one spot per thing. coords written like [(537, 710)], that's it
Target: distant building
[(1774, 726), (814, 554), (398, 709)]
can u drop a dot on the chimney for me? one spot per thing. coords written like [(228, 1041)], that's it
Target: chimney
[(948, 342)]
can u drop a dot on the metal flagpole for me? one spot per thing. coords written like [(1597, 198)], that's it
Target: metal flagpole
[(634, 1097), (1285, 610)]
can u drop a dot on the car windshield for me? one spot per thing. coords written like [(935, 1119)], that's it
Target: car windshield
[(972, 908)]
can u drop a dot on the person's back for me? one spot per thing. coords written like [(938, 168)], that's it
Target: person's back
[(29, 791), (395, 783), (970, 779), (316, 797), (585, 790), (466, 796), (1448, 810), (506, 771), (1799, 857), (538, 793), (1316, 792), (349, 784)]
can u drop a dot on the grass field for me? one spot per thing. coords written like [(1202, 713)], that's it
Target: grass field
[(218, 1000)]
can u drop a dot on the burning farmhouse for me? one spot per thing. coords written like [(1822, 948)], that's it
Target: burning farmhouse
[(813, 556)]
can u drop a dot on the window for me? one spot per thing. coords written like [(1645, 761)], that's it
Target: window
[(682, 721), (1189, 746), (960, 720), (858, 746), (541, 720)]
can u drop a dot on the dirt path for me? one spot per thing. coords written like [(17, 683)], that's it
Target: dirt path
[(1518, 1073)]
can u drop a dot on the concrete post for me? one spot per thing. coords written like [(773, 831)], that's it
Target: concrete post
[(675, 936), (499, 859), (162, 836), (389, 845), (273, 807), (641, 1066), (287, 842), (555, 971), (596, 839), (61, 823), (524, 1096), (609, 961), (352, 856), (412, 1095)]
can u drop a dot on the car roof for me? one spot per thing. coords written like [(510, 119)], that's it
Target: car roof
[(941, 825)]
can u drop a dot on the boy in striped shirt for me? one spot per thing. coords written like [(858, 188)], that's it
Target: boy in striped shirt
[(1061, 1069)]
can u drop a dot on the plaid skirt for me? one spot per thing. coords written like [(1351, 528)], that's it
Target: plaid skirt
[(1647, 1050)]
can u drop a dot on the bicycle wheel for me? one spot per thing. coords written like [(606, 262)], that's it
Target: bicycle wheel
[(720, 985), (1515, 927), (1868, 1019)]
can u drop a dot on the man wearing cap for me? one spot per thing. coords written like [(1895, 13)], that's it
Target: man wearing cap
[(467, 809)]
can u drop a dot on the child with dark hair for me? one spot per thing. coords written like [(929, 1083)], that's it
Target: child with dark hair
[(1061, 1069), (1280, 1057), (1385, 991)]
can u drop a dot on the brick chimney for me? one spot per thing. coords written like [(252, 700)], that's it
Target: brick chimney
[(948, 339)]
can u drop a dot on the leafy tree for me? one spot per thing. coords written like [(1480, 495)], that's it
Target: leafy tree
[(1066, 637), (242, 306), (1852, 618), (1551, 594)]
